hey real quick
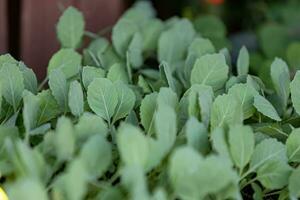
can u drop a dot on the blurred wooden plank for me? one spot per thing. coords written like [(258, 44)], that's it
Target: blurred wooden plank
[(38, 39), (3, 27)]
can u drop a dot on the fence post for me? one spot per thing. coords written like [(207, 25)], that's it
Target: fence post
[(3, 27)]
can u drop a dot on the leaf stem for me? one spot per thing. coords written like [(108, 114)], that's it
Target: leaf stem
[(43, 83)]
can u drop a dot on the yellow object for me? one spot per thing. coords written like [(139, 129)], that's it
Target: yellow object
[(3, 196)]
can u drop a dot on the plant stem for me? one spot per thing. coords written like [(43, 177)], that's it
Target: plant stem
[(43, 83)]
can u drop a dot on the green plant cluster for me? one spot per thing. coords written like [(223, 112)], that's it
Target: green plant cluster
[(157, 114)]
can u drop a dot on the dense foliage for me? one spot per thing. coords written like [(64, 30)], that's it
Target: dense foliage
[(160, 113)]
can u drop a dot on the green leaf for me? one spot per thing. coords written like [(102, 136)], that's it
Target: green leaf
[(173, 43), (75, 97), (185, 182), (294, 184), (133, 146), (198, 48), (265, 107), (147, 110), (241, 145), (27, 188), (64, 139), (30, 80), (293, 146), (265, 151), (102, 97), (122, 35), (274, 174), (165, 126), (244, 94), (243, 62), (30, 111), (219, 144), (96, 155), (70, 28), (90, 73), (126, 100), (223, 114), (12, 85), (67, 60), (73, 183), (49, 108), (295, 92), (197, 135), (117, 72), (135, 50), (88, 125), (281, 80), (151, 32), (59, 88), (210, 69), (167, 96)]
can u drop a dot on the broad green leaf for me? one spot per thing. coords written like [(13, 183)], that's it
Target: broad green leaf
[(73, 183), (165, 126), (151, 32), (122, 35), (197, 135), (67, 60), (205, 99), (102, 97), (147, 111), (30, 80), (265, 151), (243, 62), (134, 180), (59, 88), (217, 175), (210, 26), (173, 43), (75, 97), (293, 146), (49, 108), (7, 59), (126, 101), (281, 80), (167, 96), (90, 124), (185, 182), (198, 48), (96, 155), (210, 69), (265, 107), (90, 73), (70, 28), (64, 139), (294, 184), (27, 188), (244, 94), (133, 146), (12, 85), (30, 111), (241, 145), (219, 144), (258, 193), (295, 92), (135, 50), (117, 72), (274, 174), (226, 111)]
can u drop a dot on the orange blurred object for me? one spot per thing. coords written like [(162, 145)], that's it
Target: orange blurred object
[(215, 2)]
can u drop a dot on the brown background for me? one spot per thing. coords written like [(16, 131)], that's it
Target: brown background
[(37, 26)]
